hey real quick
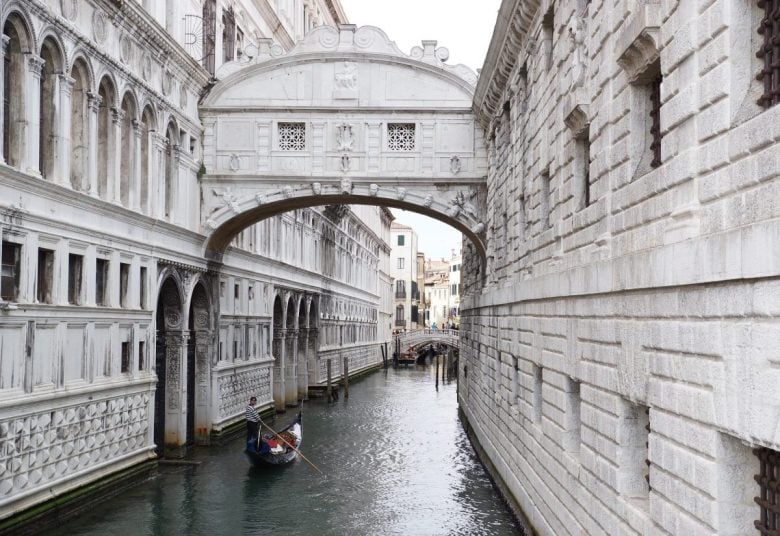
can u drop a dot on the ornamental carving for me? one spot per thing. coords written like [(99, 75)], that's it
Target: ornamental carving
[(146, 66), (346, 163), (99, 26), (345, 137), (455, 164), (316, 188), (167, 83), (400, 193), (373, 189), (463, 202), (347, 77), (126, 48), (69, 9)]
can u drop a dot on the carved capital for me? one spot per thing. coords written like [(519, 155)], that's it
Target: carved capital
[(35, 65), (94, 101), (117, 115), (4, 44), (66, 84), (137, 128)]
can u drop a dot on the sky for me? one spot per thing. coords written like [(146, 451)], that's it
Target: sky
[(462, 26)]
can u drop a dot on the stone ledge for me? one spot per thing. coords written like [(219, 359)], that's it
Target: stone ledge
[(637, 45)]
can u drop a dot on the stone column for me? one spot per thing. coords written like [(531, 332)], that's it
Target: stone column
[(290, 379), (158, 193), (3, 51), (114, 160), (93, 101), (278, 351), (312, 355), (64, 143), (175, 388), (32, 103), (202, 386), (176, 188), (303, 364), (157, 172), (135, 187)]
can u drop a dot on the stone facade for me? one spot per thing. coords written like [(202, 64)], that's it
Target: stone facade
[(119, 340), (619, 357)]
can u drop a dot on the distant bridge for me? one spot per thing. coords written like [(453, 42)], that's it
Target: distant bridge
[(422, 337)]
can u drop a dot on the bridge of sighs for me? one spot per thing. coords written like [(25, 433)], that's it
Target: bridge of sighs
[(343, 118)]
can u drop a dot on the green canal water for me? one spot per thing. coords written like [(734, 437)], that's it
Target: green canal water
[(395, 461)]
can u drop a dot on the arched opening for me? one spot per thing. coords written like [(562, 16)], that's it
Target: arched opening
[(278, 349), (79, 126), (49, 108), (303, 349), (148, 127), (127, 151), (198, 367), (105, 138), (167, 365), (14, 76), (171, 138), (290, 353)]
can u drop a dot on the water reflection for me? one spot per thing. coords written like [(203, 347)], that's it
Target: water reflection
[(394, 457)]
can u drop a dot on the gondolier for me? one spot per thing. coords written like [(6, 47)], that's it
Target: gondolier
[(252, 421)]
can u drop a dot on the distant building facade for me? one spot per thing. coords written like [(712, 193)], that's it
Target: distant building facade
[(403, 265)]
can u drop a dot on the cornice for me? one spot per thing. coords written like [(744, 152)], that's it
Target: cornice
[(337, 11), (279, 32), (513, 25)]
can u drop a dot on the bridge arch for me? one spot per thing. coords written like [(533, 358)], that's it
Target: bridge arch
[(343, 118)]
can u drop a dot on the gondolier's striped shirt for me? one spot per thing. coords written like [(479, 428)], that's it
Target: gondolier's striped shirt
[(251, 414)]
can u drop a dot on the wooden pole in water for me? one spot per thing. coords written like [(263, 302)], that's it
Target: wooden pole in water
[(329, 388), (443, 367), (346, 377), (437, 372)]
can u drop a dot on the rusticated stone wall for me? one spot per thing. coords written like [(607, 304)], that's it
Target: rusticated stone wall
[(619, 357)]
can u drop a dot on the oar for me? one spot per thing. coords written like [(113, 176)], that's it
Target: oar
[(295, 449)]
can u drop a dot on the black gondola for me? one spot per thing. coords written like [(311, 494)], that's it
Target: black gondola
[(272, 449)]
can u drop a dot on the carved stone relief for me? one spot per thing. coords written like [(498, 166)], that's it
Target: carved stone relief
[(99, 26)]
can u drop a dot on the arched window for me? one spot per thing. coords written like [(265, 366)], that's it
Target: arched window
[(170, 174), (50, 100), (148, 126), (105, 137), (14, 73), (127, 151), (79, 129)]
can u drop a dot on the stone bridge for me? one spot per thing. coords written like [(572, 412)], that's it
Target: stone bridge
[(343, 118), (423, 337)]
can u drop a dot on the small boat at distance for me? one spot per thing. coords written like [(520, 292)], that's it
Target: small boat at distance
[(276, 449)]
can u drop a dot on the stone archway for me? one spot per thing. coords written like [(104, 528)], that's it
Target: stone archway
[(343, 118)]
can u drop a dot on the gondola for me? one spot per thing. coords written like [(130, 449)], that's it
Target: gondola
[(269, 449)]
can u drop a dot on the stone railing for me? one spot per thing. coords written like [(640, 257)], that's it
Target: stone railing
[(419, 337)]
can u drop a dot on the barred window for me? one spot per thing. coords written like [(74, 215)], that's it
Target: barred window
[(768, 500), (655, 120), (770, 53), (400, 136), (292, 136)]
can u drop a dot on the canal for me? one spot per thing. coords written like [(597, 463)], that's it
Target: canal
[(394, 457)]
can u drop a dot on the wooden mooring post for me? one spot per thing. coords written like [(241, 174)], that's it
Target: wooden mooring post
[(437, 372), (346, 377), (443, 368)]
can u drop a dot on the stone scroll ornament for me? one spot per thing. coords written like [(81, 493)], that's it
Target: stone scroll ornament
[(345, 137)]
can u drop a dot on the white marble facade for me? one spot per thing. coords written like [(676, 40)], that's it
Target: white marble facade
[(619, 364), (116, 333)]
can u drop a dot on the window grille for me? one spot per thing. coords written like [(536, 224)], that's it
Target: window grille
[(292, 136), (770, 52), (400, 136), (768, 478), (655, 121)]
